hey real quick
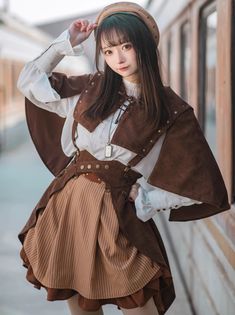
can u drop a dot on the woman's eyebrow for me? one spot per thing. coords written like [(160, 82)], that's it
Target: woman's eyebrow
[(111, 45), (106, 47)]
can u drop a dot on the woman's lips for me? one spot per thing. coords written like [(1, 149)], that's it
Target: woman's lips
[(123, 69)]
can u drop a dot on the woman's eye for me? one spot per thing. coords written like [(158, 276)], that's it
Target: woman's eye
[(107, 52), (126, 46)]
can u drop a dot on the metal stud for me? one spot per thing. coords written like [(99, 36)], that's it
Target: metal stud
[(159, 130), (151, 141), (106, 166), (175, 112), (86, 91), (89, 166), (92, 83), (143, 150), (168, 121), (97, 166), (82, 167)]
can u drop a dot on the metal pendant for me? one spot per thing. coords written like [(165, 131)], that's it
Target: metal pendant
[(108, 150)]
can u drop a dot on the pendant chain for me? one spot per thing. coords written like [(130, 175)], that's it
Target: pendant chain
[(109, 147)]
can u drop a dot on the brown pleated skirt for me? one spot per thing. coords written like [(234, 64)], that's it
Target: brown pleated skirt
[(76, 247)]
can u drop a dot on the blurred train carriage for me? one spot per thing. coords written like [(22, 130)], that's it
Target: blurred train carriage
[(20, 43), (198, 60)]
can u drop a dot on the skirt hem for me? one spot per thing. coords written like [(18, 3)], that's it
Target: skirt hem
[(137, 299)]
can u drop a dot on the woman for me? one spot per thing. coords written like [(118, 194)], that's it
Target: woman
[(122, 147)]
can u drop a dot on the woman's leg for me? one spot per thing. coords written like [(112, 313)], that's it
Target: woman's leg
[(148, 309), (75, 309)]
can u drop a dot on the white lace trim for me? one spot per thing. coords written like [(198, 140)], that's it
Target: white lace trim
[(132, 89)]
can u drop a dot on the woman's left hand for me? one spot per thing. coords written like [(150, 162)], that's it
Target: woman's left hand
[(134, 192), (80, 30)]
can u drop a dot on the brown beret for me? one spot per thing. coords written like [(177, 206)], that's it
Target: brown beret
[(132, 8)]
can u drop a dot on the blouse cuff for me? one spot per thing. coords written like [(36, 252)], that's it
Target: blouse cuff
[(148, 203), (59, 48), (144, 209)]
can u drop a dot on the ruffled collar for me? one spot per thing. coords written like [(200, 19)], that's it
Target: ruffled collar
[(132, 89)]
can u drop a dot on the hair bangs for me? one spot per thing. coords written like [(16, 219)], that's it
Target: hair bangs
[(112, 32), (114, 37)]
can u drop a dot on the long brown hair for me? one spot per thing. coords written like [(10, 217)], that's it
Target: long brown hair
[(115, 30)]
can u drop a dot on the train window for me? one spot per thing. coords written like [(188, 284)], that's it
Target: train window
[(184, 60), (207, 75)]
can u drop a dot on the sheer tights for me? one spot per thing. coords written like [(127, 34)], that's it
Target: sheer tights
[(148, 309)]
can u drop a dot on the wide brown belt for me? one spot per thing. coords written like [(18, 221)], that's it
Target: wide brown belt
[(114, 173), (92, 177)]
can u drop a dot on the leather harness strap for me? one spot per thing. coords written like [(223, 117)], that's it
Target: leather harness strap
[(131, 163)]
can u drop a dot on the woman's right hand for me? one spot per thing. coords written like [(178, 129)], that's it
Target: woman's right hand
[(80, 30), (134, 192)]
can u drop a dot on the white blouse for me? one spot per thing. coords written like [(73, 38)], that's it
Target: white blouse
[(34, 84)]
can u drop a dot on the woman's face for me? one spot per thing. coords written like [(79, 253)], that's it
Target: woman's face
[(121, 58)]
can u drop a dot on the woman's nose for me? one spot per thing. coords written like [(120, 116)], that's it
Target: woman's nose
[(120, 57)]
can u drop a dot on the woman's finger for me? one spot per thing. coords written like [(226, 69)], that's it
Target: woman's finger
[(91, 26), (84, 23)]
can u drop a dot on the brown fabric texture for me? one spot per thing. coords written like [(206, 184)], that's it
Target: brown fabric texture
[(136, 299), (186, 154), (77, 244), (119, 182), (48, 144)]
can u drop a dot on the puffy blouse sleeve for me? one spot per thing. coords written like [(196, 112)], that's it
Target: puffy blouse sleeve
[(151, 200), (34, 82)]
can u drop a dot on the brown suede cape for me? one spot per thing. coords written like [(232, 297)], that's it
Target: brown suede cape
[(186, 165)]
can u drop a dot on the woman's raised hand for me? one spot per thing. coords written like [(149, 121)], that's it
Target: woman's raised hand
[(80, 30)]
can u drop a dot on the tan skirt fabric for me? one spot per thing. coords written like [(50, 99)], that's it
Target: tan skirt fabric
[(77, 244)]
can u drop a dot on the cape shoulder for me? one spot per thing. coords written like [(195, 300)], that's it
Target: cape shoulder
[(187, 167), (45, 127)]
